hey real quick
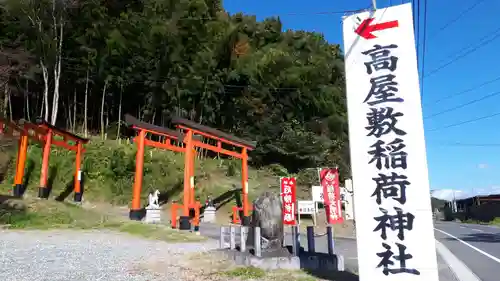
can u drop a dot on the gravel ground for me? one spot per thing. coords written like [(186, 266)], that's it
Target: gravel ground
[(92, 255)]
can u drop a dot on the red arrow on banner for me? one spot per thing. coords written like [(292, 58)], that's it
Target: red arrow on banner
[(365, 29)]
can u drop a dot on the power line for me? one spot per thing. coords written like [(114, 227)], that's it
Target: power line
[(460, 144), (473, 49), (464, 105), (483, 38), (459, 16), (318, 13), (465, 122), (465, 91)]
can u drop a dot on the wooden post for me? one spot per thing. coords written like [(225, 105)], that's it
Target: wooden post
[(329, 234), (315, 215), (78, 173), (196, 219), (135, 211), (310, 240), (222, 238), (243, 238), (191, 176), (232, 237), (173, 214), (184, 223), (244, 186), (43, 191), (257, 242), (298, 212)]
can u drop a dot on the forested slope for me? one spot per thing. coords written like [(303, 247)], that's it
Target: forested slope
[(83, 64)]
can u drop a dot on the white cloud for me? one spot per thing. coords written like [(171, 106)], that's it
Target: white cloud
[(482, 166), (450, 194)]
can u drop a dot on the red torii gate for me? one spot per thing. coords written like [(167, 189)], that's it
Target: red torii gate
[(143, 128), (50, 134), (15, 131), (190, 142), (190, 129), (44, 133)]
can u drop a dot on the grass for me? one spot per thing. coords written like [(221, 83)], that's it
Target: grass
[(214, 264), (45, 215), (245, 273), (254, 273), (109, 170), (495, 221)]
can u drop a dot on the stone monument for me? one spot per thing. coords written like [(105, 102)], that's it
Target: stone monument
[(153, 210), (267, 214)]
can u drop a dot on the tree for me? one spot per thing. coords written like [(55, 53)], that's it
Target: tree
[(158, 58)]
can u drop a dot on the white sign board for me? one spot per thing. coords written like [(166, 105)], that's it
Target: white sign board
[(391, 187), (317, 193), (307, 207)]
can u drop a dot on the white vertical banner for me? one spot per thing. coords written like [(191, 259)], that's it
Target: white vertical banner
[(394, 225)]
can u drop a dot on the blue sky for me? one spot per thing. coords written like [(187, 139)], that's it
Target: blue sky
[(456, 161)]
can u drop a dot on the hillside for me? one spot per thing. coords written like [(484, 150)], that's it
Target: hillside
[(188, 58), (109, 172)]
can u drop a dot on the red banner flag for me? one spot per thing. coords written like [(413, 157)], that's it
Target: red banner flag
[(288, 187), (329, 179)]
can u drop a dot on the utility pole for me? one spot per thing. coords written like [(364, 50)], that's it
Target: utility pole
[(454, 207)]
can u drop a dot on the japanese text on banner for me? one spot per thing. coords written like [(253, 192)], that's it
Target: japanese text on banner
[(329, 179), (288, 196)]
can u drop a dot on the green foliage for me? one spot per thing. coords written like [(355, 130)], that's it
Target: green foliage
[(157, 58), (246, 273), (232, 169), (448, 213), (109, 170), (278, 170)]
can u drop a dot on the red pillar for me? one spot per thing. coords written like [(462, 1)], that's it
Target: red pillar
[(43, 191), (184, 220), (135, 211), (21, 162), (191, 176), (244, 186), (78, 173)]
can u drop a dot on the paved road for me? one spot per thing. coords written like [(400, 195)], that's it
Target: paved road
[(348, 248), (478, 246), (343, 246)]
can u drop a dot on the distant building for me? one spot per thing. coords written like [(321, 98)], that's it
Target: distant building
[(482, 208)]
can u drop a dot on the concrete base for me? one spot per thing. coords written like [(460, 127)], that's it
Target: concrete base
[(184, 223), (18, 190), (153, 215), (78, 197), (267, 262), (136, 215), (43, 192), (317, 262), (209, 214), (246, 220)]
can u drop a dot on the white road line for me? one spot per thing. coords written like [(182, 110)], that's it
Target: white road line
[(477, 229), (470, 246), (461, 271)]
